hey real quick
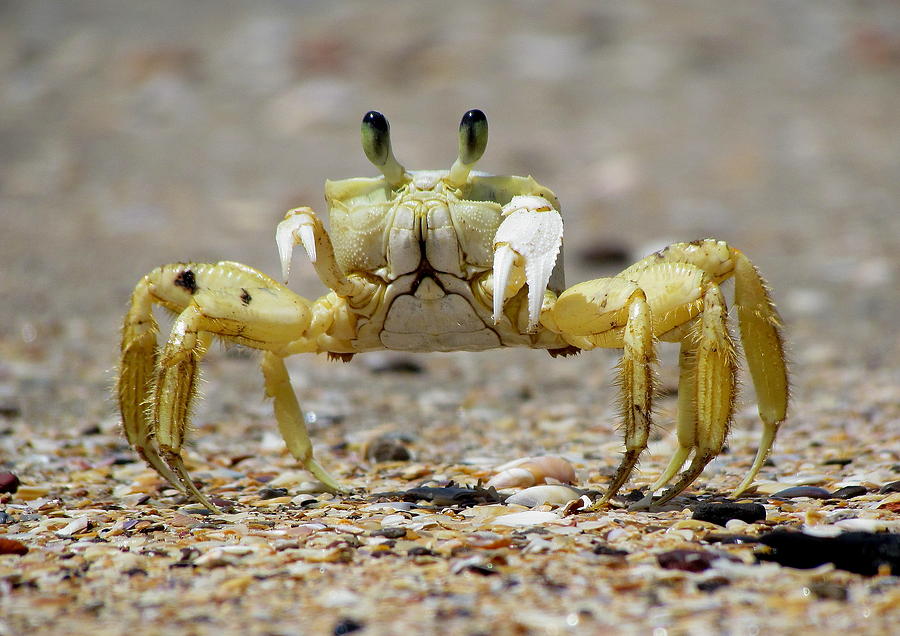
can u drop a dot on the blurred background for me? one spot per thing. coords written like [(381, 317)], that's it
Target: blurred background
[(136, 134)]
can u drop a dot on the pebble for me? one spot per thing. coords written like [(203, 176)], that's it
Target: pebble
[(387, 449), (687, 560), (271, 493), (860, 552), (829, 591), (347, 626), (604, 550), (894, 486), (813, 492), (721, 513), (849, 492), (11, 546), (8, 482)]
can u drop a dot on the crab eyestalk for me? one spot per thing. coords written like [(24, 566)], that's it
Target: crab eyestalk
[(473, 136), (376, 142)]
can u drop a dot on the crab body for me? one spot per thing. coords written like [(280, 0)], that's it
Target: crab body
[(428, 247), (455, 260)]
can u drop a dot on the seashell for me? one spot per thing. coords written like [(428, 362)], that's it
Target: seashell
[(529, 471), (527, 518), (545, 494)]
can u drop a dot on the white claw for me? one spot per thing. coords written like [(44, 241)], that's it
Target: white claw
[(503, 261), (533, 229), (290, 232)]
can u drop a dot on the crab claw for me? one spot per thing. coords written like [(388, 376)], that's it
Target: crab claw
[(531, 233), (297, 227)]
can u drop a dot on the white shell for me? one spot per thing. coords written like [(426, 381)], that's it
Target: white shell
[(539, 495), (527, 518)]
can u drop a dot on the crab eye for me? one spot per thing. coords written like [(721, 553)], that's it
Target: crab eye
[(473, 136), (376, 137), (376, 143)]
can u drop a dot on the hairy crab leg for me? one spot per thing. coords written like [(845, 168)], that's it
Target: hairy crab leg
[(764, 349), (136, 366), (224, 299), (636, 372), (714, 385)]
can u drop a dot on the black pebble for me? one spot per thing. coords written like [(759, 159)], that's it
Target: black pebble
[(720, 513), (687, 560), (389, 533), (397, 365), (713, 584), (8, 482), (605, 550), (386, 449), (859, 552), (5, 518), (813, 492), (829, 591), (272, 493), (347, 626), (849, 492), (894, 486)]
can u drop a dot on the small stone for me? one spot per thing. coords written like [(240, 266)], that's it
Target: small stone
[(713, 584), (604, 550), (849, 492), (5, 518), (829, 591), (860, 552), (271, 493), (687, 560), (347, 626), (721, 513), (396, 364), (389, 533), (894, 486), (8, 482), (813, 492), (387, 449), (11, 546)]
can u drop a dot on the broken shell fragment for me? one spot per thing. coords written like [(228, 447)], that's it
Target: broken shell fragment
[(523, 519), (529, 471), (546, 494)]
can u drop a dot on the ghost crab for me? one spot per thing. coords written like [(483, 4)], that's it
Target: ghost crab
[(450, 260)]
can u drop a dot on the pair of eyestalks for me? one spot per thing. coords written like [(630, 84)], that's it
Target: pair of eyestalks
[(376, 142)]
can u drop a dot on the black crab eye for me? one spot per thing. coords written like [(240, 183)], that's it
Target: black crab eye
[(376, 137), (473, 136)]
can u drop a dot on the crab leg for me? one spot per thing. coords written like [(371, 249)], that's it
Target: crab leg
[(290, 418), (135, 371), (636, 375), (714, 388), (764, 350), (225, 299)]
